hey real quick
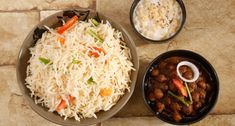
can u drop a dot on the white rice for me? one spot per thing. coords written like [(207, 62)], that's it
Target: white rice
[(50, 83)]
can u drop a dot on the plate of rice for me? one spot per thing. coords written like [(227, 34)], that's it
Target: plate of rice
[(77, 67)]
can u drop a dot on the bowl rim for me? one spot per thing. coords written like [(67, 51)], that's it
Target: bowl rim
[(216, 95), (184, 15), (98, 120)]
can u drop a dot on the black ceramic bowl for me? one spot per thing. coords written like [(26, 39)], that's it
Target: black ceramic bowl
[(181, 4), (207, 68)]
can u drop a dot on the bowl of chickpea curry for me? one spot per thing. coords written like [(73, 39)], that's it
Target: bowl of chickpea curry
[(180, 87)]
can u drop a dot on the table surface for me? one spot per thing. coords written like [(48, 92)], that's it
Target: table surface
[(209, 30)]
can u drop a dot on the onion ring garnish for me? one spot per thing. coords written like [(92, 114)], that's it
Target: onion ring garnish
[(192, 66)]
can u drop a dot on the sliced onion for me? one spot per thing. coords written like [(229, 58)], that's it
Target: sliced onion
[(192, 66)]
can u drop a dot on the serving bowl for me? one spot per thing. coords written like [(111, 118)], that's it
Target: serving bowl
[(24, 55), (132, 10), (204, 64)]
